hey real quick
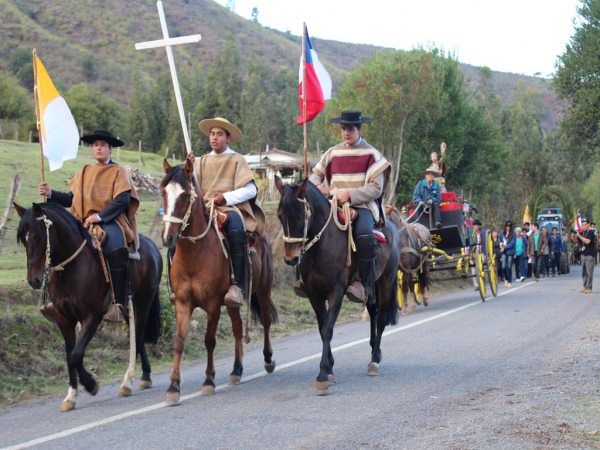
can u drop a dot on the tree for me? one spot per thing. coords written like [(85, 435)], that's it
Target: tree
[(255, 14), (577, 72), (137, 122), (231, 5), (14, 100), (92, 110), (18, 58), (89, 64)]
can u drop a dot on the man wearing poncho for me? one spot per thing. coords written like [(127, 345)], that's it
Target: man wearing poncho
[(103, 193), (355, 172), (224, 175)]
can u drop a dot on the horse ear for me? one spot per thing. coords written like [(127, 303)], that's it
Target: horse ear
[(389, 209), (279, 185), (189, 169), (166, 166), (20, 209), (38, 210), (301, 191)]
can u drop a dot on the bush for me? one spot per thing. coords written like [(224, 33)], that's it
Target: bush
[(89, 63)]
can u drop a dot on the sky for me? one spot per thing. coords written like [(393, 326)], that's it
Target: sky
[(519, 36)]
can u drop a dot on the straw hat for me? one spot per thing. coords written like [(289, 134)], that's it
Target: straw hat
[(432, 170), (207, 124)]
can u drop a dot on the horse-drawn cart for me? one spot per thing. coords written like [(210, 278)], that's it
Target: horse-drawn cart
[(454, 246)]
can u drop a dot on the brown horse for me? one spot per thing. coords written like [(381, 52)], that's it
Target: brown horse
[(200, 277), (80, 292), (412, 264), (325, 273)]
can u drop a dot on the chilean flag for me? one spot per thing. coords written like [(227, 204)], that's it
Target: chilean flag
[(578, 224), (318, 84)]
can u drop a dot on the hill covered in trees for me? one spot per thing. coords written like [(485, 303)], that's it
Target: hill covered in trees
[(92, 42)]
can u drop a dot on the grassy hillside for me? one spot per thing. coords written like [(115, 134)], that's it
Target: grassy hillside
[(64, 31)]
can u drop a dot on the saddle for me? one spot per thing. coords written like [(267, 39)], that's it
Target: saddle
[(223, 219), (100, 235), (353, 213)]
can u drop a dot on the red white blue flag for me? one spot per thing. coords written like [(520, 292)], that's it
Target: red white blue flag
[(318, 84), (578, 224)]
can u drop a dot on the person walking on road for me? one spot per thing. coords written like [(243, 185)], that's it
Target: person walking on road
[(548, 253), (527, 232), (557, 248), (508, 252), (520, 256), (535, 249), (588, 255)]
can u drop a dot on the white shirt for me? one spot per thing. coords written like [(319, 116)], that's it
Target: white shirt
[(242, 194), (357, 142)]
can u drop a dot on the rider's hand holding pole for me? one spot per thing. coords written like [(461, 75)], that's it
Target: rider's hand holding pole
[(45, 189), (191, 157)]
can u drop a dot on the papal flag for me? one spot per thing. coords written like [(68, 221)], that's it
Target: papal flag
[(58, 132)]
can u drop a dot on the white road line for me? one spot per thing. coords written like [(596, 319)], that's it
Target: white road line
[(136, 412)]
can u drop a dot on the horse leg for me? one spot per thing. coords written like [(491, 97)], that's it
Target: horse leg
[(385, 295), (266, 303), (238, 332), (413, 296), (405, 297), (372, 308), (146, 382), (183, 313), (125, 390), (68, 332), (88, 329), (210, 341), (326, 318)]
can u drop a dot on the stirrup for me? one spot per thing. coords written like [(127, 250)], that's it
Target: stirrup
[(356, 293), (234, 297), (48, 312), (300, 289), (172, 298), (114, 314)]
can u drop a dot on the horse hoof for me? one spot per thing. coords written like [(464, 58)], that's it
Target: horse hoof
[(233, 380), (322, 387), (270, 368), (95, 389), (125, 391), (331, 379), (403, 311), (172, 398), (426, 301), (145, 384), (373, 369), (207, 390), (67, 405)]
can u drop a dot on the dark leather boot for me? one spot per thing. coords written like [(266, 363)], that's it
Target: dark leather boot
[(238, 245), (366, 251), (48, 312), (118, 261)]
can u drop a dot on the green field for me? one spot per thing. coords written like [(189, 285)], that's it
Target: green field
[(32, 363)]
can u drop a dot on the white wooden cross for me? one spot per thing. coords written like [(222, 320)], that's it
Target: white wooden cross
[(167, 42)]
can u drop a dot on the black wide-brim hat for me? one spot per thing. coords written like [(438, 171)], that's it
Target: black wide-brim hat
[(101, 135), (351, 118), (477, 222)]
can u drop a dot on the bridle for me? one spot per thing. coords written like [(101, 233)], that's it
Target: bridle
[(332, 213), (212, 220)]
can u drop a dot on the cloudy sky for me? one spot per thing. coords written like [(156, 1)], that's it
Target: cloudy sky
[(521, 36)]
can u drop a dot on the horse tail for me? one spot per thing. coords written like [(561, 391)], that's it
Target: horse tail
[(257, 311), (390, 311), (152, 329)]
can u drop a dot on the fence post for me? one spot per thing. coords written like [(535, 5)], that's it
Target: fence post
[(15, 187), (30, 136), (156, 221)]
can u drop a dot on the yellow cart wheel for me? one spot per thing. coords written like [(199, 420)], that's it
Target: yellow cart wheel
[(480, 273), (399, 275), (491, 266)]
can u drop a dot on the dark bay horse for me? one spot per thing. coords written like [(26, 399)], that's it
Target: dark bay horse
[(412, 237), (79, 292), (326, 275), (200, 277)]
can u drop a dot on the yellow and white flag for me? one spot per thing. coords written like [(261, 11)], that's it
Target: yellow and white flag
[(58, 132)]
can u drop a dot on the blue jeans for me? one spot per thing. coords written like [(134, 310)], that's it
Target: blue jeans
[(556, 262), (507, 263), (363, 223), (114, 237), (521, 266), (234, 222)]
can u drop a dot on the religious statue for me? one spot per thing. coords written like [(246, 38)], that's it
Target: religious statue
[(440, 166)]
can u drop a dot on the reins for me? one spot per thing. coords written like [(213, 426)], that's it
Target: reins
[(212, 220), (332, 213), (48, 269)]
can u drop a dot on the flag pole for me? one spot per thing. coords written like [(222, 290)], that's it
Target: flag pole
[(304, 96), (37, 114)]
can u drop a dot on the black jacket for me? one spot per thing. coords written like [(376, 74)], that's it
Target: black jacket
[(108, 214)]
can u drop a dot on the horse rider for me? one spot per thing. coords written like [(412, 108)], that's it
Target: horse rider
[(102, 194), (225, 177), (355, 172), (428, 192)]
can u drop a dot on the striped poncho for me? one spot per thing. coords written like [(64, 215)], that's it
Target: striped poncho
[(346, 167)]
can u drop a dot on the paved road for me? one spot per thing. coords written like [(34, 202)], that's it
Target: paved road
[(443, 368)]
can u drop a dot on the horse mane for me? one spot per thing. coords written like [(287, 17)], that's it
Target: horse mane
[(29, 221), (177, 174)]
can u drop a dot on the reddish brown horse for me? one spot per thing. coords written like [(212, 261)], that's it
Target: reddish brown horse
[(325, 273), (200, 277), (79, 292)]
